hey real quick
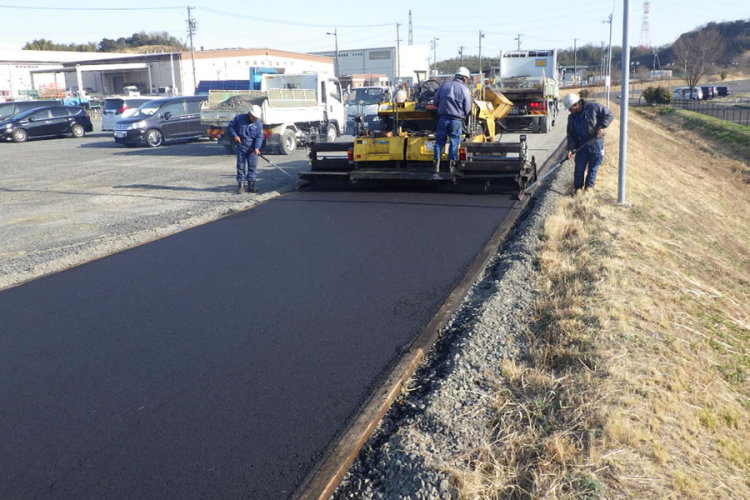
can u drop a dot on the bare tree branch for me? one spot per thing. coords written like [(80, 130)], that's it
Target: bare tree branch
[(697, 53)]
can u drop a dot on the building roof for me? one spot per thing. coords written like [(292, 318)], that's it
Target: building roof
[(9, 54)]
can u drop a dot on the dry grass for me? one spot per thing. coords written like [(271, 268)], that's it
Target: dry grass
[(637, 379)]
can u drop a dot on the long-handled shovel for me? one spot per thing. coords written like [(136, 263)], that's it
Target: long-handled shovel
[(276, 166)]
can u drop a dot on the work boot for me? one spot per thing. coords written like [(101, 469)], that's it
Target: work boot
[(452, 166), (240, 188), (436, 164), (251, 187)]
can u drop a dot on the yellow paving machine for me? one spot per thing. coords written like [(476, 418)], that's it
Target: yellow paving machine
[(402, 149)]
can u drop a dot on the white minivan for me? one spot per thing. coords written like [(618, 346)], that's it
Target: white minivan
[(684, 94), (117, 108)]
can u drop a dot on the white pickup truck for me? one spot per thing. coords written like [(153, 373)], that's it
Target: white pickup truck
[(297, 109)]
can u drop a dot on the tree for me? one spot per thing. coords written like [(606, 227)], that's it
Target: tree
[(697, 52)]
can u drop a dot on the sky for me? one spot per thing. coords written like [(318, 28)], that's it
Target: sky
[(304, 25)]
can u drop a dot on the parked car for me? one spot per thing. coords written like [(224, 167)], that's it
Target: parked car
[(363, 102), (684, 94), (162, 120), (723, 91), (708, 92), (47, 121), (12, 108), (117, 108)]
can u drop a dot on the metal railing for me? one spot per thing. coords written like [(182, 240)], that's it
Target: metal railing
[(737, 111)]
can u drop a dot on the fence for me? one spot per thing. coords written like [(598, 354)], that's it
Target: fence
[(737, 111)]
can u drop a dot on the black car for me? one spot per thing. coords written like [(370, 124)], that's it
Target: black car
[(47, 121), (162, 120), (10, 109), (723, 91)]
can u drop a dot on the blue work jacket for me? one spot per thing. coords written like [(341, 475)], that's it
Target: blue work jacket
[(453, 99), (250, 133), (582, 126)]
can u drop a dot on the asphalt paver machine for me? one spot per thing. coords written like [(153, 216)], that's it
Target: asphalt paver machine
[(402, 149)]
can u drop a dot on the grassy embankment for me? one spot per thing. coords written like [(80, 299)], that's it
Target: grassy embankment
[(637, 380)]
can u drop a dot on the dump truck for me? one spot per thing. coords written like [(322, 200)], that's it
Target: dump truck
[(529, 78), (402, 148), (297, 109)]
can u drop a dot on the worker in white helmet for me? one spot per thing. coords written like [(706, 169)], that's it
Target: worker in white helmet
[(453, 102), (246, 130), (586, 123)]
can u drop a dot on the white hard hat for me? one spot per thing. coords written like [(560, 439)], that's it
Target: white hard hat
[(255, 111), (463, 71), (570, 99)]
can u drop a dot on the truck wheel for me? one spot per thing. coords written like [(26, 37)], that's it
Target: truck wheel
[(331, 133), (288, 142), (154, 138), (544, 124)]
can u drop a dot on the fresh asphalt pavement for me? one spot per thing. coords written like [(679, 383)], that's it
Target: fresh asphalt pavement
[(223, 360)]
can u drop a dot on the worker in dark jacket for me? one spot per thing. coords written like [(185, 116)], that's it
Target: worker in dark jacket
[(247, 131), (586, 122), (453, 102)]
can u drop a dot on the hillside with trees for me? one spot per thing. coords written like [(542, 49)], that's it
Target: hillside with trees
[(733, 39), (137, 42)]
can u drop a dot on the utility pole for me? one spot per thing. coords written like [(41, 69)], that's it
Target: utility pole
[(481, 75), (191, 31), (434, 54), (398, 54), (411, 32), (518, 39), (335, 34), (461, 54)]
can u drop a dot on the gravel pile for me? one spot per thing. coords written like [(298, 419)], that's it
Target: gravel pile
[(243, 101), (444, 414)]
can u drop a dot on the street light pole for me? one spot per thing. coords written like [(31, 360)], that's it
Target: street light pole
[(624, 104), (609, 56), (575, 59), (336, 46)]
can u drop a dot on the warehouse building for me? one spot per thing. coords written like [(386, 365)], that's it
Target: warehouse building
[(397, 63), (35, 72)]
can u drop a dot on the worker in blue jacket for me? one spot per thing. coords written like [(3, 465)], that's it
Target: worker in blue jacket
[(586, 124), (453, 102), (247, 131)]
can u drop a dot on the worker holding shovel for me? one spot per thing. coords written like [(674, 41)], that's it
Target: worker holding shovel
[(247, 131), (586, 122)]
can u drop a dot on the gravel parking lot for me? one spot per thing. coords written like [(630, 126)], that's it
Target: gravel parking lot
[(67, 201)]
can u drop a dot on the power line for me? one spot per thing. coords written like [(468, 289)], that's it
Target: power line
[(89, 8), (289, 23)]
